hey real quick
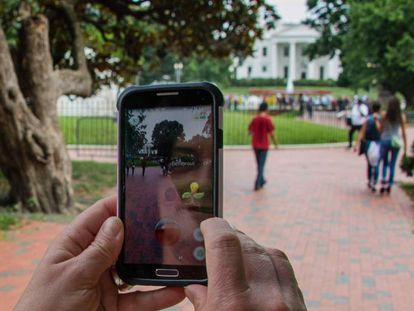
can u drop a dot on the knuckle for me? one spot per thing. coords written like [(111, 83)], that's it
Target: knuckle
[(251, 247), (228, 240), (279, 254)]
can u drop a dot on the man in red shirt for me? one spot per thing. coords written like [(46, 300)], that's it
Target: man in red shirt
[(261, 127)]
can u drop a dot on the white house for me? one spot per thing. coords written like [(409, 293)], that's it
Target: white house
[(280, 54)]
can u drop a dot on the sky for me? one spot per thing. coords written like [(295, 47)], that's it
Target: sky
[(291, 11)]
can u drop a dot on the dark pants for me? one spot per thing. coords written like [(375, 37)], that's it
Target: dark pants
[(352, 130), (261, 155)]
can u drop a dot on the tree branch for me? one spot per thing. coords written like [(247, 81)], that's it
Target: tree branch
[(123, 9), (79, 81)]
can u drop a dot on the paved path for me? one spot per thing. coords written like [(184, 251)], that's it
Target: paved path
[(351, 250)]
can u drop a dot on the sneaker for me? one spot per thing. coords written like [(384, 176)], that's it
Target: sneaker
[(388, 189), (373, 189)]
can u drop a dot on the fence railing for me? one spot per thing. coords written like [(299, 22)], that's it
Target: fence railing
[(89, 126)]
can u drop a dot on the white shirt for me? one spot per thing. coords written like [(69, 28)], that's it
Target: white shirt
[(359, 114)]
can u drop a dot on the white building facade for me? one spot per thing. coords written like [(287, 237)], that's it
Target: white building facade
[(280, 54)]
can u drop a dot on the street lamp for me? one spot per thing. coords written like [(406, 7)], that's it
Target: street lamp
[(178, 67)]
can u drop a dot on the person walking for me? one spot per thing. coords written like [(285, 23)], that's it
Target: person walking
[(391, 124), (143, 165), (260, 128), (133, 167), (369, 141), (359, 112)]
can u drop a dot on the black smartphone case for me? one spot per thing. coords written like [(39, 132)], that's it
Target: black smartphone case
[(121, 277)]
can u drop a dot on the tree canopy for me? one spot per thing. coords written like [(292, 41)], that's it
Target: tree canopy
[(117, 32), (165, 136), (375, 38)]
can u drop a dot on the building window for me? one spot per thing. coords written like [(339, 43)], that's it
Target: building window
[(264, 68), (303, 76), (286, 51), (321, 73), (264, 51), (249, 71), (285, 72)]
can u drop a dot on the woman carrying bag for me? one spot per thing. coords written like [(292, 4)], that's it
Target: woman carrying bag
[(369, 140), (391, 142)]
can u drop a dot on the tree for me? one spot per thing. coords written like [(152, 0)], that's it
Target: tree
[(379, 46), (50, 48), (330, 19), (165, 136), (375, 38), (134, 133)]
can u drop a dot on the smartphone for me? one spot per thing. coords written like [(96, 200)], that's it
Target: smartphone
[(170, 144)]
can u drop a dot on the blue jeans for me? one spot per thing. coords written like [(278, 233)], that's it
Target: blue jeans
[(372, 171), (389, 156), (261, 155)]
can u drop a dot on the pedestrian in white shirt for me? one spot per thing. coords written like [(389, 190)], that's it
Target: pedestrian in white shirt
[(359, 112)]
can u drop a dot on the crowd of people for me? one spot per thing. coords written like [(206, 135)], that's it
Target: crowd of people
[(379, 137)]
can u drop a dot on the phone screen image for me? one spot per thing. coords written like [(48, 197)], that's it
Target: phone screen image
[(168, 178)]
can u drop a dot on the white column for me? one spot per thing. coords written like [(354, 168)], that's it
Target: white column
[(292, 61), (274, 60), (311, 70), (292, 67)]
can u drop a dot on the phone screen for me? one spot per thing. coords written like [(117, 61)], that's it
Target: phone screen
[(168, 178)]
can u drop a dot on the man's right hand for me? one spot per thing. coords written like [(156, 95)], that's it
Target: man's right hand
[(242, 275)]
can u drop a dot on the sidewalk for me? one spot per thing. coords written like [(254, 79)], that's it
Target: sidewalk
[(351, 250)]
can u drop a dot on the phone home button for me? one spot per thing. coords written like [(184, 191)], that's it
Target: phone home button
[(167, 273)]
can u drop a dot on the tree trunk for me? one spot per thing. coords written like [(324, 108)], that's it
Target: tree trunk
[(33, 156)]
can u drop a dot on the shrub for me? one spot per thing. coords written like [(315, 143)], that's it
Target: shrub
[(261, 82)]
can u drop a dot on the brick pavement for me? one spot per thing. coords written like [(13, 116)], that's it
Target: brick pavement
[(351, 250)]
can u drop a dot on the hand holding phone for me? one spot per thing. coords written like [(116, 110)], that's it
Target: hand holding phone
[(244, 275), (172, 135)]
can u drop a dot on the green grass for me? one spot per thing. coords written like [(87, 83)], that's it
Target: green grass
[(288, 130), (335, 91), (91, 182), (92, 130)]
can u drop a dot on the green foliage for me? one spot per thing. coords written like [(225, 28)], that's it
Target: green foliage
[(8, 220), (259, 82), (195, 68), (376, 40), (186, 195), (308, 82), (330, 19), (127, 37), (280, 82)]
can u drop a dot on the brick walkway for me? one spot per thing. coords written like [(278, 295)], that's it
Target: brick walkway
[(351, 250)]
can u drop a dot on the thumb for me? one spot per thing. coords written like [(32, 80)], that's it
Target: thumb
[(104, 250), (197, 294)]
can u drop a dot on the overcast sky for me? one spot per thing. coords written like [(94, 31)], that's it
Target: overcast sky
[(291, 11)]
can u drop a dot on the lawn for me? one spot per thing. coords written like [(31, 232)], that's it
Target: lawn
[(102, 131), (91, 130), (91, 182), (289, 130)]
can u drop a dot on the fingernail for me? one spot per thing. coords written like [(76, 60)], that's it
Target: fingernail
[(112, 226)]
